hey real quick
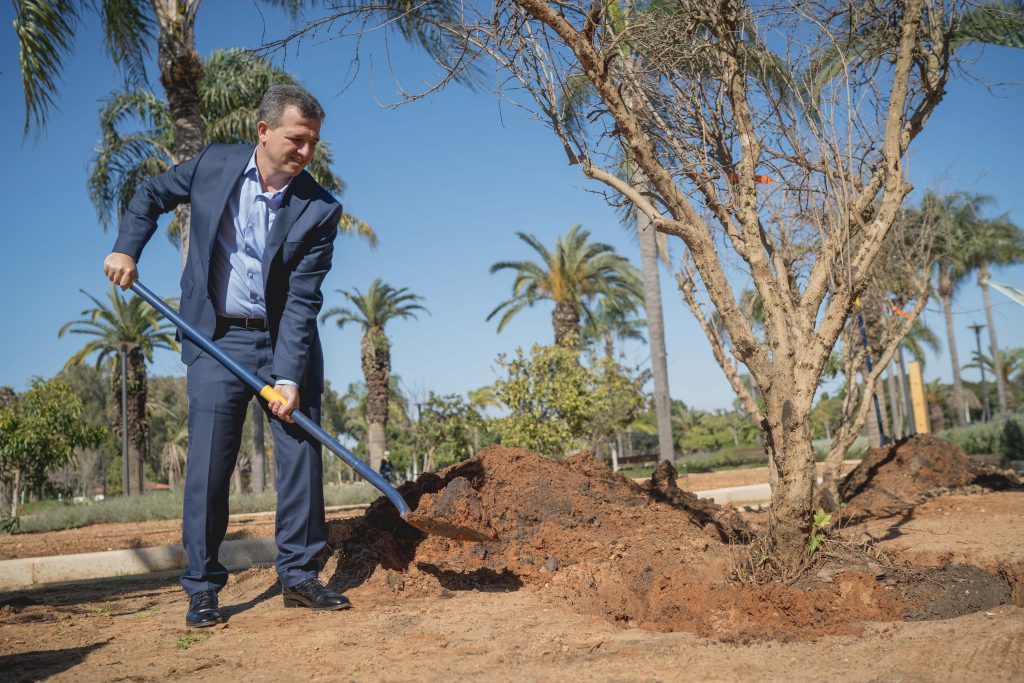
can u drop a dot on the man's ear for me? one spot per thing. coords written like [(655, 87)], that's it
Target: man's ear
[(261, 129)]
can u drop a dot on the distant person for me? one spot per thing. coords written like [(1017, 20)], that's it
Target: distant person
[(261, 242), (387, 470)]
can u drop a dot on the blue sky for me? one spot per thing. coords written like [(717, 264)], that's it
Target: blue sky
[(446, 182)]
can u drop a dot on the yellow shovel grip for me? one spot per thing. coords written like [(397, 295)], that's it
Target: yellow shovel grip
[(268, 393)]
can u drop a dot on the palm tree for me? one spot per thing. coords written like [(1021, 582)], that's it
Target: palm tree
[(608, 323), (998, 242), (969, 242), (1008, 366), (573, 276), (372, 311), (46, 30), (125, 329), (230, 92), (175, 456)]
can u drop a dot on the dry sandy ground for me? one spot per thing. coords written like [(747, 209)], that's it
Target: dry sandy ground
[(137, 634), (134, 629)]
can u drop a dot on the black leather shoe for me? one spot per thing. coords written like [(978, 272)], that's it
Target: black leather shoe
[(202, 610), (314, 595)]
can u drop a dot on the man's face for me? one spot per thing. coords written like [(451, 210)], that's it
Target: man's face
[(289, 147)]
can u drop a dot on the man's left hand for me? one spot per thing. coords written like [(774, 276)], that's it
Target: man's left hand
[(283, 410)]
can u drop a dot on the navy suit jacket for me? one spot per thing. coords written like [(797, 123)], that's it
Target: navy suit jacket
[(295, 261)]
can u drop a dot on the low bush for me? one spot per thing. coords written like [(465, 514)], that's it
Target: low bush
[(1001, 436)]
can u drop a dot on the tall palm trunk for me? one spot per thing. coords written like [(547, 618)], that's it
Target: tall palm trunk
[(1002, 392), (895, 405), (656, 334), (908, 407), (259, 449), (375, 352), (138, 423), (946, 295), (566, 321), (181, 70)]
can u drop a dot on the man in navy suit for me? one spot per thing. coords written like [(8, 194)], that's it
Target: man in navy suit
[(261, 240)]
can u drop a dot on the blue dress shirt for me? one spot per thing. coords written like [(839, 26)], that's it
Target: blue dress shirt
[(236, 274)]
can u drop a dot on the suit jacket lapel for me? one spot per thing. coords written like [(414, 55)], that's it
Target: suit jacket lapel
[(291, 207), (233, 168)]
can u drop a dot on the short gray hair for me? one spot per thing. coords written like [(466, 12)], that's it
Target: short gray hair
[(280, 97)]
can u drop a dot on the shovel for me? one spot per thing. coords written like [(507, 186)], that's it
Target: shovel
[(427, 524)]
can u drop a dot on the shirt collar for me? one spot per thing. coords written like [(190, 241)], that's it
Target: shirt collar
[(252, 172)]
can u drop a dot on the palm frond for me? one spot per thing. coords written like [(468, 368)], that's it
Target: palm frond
[(45, 30)]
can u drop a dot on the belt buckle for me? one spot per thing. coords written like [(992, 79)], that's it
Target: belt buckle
[(253, 324)]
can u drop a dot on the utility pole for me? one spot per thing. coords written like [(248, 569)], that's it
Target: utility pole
[(987, 411)]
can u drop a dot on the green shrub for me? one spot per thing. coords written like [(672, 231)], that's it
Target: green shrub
[(1012, 441), (981, 437)]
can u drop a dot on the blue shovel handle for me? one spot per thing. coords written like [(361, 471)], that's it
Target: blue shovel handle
[(268, 393)]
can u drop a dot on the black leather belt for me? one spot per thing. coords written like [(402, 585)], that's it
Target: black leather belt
[(247, 323)]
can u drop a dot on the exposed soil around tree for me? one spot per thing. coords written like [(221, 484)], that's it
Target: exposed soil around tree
[(600, 544), (897, 477)]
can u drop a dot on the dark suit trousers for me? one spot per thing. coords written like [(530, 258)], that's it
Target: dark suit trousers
[(217, 406)]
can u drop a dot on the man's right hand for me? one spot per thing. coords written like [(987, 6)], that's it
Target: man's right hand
[(120, 269)]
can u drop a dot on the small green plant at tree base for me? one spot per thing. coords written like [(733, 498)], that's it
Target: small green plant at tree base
[(821, 522), (190, 639)]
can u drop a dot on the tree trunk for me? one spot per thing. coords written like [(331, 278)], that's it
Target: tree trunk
[(790, 472), (15, 492), (959, 400), (656, 334), (879, 417), (376, 442), (376, 360), (181, 70), (138, 423), (566, 321), (236, 478), (895, 411), (909, 427), (1002, 392), (259, 450)]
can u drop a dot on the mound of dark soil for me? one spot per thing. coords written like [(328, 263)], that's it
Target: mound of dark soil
[(647, 555), (896, 477)]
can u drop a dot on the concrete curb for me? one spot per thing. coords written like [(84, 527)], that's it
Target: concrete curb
[(739, 495), (30, 572)]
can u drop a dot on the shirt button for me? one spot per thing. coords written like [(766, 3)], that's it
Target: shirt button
[(250, 276)]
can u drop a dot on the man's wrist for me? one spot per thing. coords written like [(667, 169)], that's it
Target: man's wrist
[(286, 382)]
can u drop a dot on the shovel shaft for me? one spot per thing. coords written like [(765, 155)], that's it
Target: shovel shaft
[(268, 394)]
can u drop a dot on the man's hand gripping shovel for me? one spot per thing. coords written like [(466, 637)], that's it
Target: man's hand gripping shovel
[(429, 524)]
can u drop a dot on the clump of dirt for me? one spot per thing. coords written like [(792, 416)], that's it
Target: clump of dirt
[(896, 477), (726, 521), (455, 511), (648, 555)]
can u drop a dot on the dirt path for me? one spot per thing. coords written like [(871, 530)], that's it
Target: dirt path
[(133, 630), (98, 537)]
